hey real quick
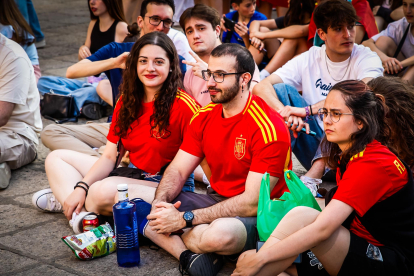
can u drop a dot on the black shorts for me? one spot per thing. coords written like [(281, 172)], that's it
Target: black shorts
[(363, 259), (192, 201)]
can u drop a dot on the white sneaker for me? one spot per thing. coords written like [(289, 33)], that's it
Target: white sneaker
[(45, 201), (76, 221), (5, 175), (311, 183)]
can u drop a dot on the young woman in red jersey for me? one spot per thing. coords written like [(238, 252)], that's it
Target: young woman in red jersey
[(367, 227), (150, 119)]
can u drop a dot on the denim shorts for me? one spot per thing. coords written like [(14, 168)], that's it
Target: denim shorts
[(188, 185)]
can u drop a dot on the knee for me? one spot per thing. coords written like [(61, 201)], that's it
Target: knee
[(52, 157), (48, 134), (284, 90), (301, 216), (220, 235), (100, 196)]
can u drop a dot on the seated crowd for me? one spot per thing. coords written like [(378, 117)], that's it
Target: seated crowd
[(223, 103)]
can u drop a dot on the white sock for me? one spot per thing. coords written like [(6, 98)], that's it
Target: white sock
[(264, 74)]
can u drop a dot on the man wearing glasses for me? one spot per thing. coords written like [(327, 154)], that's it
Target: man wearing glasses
[(241, 138), (314, 73)]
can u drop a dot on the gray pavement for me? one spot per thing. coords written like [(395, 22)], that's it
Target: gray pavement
[(30, 241)]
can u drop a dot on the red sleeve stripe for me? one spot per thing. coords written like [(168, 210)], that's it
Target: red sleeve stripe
[(265, 125)]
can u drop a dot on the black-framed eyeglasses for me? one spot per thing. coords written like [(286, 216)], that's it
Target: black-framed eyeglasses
[(155, 21), (217, 76), (335, 115)]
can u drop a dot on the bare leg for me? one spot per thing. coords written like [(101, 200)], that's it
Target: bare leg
[(386, 45), (104, 90), (317, 169), (266, 9), (281, 11), (103, 194), (287, 50), (198, 174), (331, 252), (380, 23), (360, 32), (216, 4), (409, 75), (172, 244), (225, 236), (64, 168), (132, 9)]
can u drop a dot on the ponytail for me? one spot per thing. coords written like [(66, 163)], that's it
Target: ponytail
[(133, 33)]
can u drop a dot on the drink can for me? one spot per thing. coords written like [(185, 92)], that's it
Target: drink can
[(90, 222)]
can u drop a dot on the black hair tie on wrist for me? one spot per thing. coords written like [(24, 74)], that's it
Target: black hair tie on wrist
[(310, 107), (78, 185), (81, 182)]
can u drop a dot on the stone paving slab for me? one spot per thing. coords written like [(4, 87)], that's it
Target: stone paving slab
[(30, 241)]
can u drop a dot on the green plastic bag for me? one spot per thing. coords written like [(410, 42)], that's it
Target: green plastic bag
[(270, 212)]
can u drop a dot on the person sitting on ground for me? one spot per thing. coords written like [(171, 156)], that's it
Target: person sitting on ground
[(244, 13), (384, 12), (277, 52), (14, 27), (241, 138), (399, 99), (365, 26), (367, 226), (111, 59), (314, 73), (386, 44), (107, 25), (20, 120), (201, 25), (150, 120)]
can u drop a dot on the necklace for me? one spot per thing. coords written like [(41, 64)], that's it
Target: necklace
[(326, 62)]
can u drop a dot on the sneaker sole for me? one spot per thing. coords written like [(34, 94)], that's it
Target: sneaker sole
[(5, 175), (206, 265)]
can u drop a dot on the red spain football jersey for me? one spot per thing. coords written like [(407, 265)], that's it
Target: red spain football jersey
[(256, 140), (151, 151), (370, 177)]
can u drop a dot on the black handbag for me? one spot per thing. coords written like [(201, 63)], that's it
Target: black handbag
[(58, 108)]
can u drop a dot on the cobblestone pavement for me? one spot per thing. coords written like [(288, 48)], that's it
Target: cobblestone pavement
[(30, 241)]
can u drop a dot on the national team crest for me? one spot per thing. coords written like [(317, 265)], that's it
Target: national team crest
[(240, 147)]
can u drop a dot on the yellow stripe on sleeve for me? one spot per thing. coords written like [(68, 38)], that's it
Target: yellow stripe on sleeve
[(258, 123), (189, 104), (190, 100), (263, 122), (267, 119)]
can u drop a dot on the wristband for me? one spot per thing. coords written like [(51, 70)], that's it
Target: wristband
[(77, 185), (307, 114), (81, 182), (311, 112)]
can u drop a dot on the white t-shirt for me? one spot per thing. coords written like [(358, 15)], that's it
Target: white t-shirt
[(180, 7), (308, 72), (395, 30), (181, 44), (18, 86)]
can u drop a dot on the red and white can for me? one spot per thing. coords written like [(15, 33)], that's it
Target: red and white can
[(90, 222)]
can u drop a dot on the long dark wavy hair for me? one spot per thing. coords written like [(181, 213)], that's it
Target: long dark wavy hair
[(132, 89), (114, 8), (369, 109), (10, 15), (399, 98), (298, 9)]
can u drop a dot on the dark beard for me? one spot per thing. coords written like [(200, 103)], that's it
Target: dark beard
[(227, 95)]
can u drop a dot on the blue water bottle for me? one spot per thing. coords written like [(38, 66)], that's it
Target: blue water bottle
[(126, 229)]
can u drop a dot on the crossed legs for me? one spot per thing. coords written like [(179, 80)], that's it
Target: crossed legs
[(331, 252)]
